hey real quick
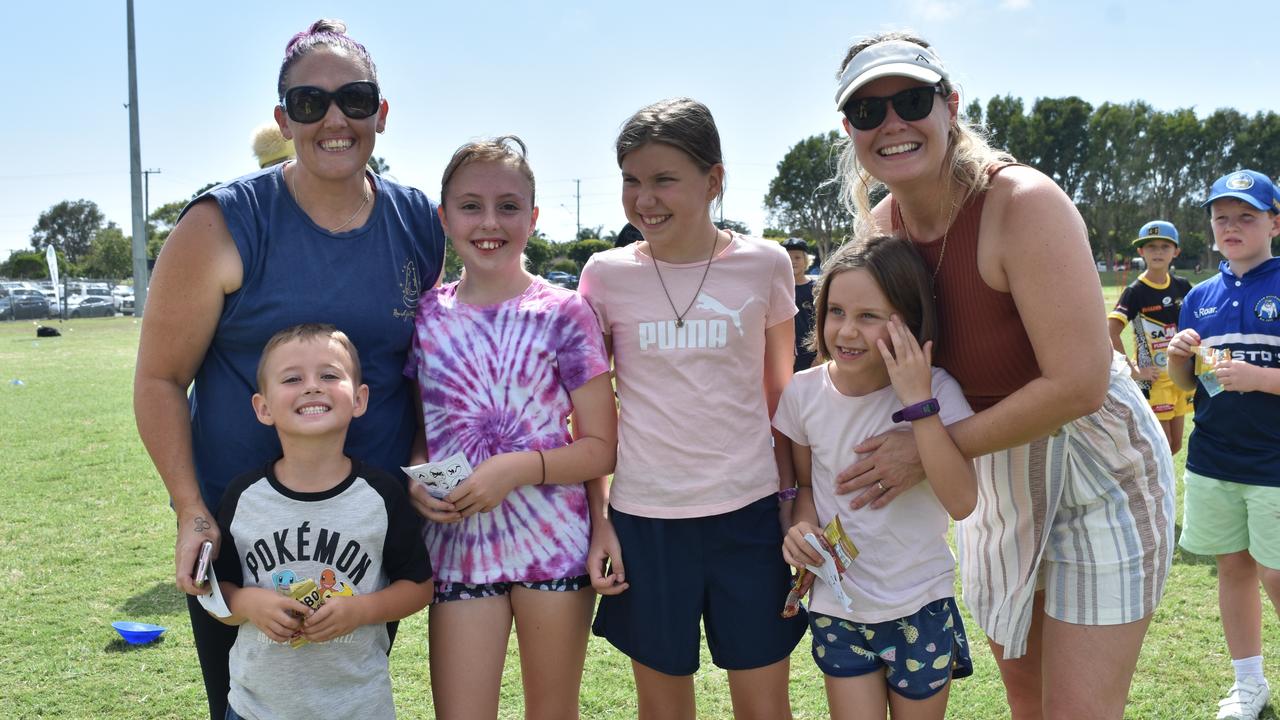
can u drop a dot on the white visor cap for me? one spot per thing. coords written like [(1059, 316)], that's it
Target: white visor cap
[(887, 59)]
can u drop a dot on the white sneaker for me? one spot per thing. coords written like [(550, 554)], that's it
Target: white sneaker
[(1245, 701)]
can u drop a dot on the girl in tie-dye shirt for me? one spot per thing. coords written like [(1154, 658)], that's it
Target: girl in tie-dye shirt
[(502, 360)]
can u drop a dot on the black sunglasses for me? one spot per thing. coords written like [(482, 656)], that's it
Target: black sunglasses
[(912, 104), (307, 103)]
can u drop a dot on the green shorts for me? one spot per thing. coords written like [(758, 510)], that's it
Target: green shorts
[(1221, 517)]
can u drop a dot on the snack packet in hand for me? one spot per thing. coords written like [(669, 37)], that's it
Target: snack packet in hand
[(308, 593), (1205, 361), (837, 552)]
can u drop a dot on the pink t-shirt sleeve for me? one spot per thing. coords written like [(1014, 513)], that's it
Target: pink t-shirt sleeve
[(952, 407), (579, 346), (592, 290), (782, 290), (787, 418)]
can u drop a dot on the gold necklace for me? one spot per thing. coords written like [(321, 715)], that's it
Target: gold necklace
[(680, 315), (364, 200), (942, 254)]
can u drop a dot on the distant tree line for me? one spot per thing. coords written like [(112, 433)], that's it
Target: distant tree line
[(1122, 164)]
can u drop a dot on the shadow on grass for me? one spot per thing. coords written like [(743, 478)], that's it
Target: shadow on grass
[(120, 646), (1182, 557), (163, 598)]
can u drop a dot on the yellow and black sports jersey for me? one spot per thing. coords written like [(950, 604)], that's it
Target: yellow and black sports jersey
[(1152, 310)]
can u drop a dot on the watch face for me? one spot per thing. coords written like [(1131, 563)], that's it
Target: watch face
[(918, 411)]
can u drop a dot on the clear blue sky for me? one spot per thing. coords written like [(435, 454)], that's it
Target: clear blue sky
[(564, 75)]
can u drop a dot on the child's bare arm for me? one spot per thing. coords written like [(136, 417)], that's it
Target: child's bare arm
[(418, 451), (804, 514), (1182, 353), (591, 454), (431, 508), (779, 358), (1116, 328), (948, 471)]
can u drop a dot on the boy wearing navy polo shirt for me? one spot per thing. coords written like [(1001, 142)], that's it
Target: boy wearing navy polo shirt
[(1233, 460)]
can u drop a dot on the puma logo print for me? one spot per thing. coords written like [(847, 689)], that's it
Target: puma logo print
[(706, 302)]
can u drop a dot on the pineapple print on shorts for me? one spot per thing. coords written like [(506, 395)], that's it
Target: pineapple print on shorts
[(918, 654)]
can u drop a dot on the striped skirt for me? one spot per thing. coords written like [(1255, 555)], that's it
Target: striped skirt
[(1086, 514)]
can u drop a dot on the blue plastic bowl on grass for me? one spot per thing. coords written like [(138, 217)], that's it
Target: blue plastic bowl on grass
[(136, 633)]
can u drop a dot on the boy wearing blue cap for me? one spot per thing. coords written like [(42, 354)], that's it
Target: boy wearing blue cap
[(1233, 462), (1152, 303)]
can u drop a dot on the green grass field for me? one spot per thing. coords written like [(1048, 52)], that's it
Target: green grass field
[(86, 538)]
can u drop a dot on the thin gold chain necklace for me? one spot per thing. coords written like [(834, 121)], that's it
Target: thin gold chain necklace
[(364, 185), (705, 270), (942, 254)]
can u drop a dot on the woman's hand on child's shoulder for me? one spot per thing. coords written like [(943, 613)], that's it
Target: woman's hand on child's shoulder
[(433, 509), (909, 365), (796, 550)]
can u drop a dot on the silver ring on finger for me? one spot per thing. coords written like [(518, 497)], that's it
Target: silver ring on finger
[(881, 486)]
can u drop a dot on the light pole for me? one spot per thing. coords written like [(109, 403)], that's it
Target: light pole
[(135, 179)]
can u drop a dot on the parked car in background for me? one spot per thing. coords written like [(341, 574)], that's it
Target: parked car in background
[(79, 306), (563, 279), (22, 303), (55, 308), (122, 298)]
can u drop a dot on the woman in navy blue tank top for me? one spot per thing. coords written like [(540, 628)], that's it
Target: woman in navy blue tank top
[(320, 239)]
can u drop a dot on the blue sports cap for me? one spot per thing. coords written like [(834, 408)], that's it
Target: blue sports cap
[(1249, 186), (1157, 230)]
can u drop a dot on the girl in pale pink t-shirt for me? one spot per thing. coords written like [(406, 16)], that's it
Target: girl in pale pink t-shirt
[(699, 324), (891, 639), (502, 359)]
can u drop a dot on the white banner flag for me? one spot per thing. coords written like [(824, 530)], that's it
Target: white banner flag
[(51, 257)]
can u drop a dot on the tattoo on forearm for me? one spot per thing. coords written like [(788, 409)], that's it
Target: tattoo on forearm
[(202, 524)]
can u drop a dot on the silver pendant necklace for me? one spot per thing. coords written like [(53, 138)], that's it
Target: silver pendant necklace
[(705, 270)]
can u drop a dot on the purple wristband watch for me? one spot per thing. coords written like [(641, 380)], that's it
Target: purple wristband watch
[(918, 411)]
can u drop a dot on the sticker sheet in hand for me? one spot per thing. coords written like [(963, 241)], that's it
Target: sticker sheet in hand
[(443, 476), (837, 552)]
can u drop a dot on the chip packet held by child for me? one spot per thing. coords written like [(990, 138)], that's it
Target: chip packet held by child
[(1206, 358), (306, 592), (837, 552)]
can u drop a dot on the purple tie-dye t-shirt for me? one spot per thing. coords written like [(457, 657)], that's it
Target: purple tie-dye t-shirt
[(496, 379)]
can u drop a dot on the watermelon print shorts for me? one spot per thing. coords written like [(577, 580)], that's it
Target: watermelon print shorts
[(918, 654)]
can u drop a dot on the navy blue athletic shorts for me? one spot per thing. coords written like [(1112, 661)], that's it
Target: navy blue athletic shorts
[(725, 570)]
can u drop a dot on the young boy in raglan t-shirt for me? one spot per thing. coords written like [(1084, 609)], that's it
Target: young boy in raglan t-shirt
[(316, 515)]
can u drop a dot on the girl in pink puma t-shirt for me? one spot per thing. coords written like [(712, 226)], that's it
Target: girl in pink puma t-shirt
[(699, 323)]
